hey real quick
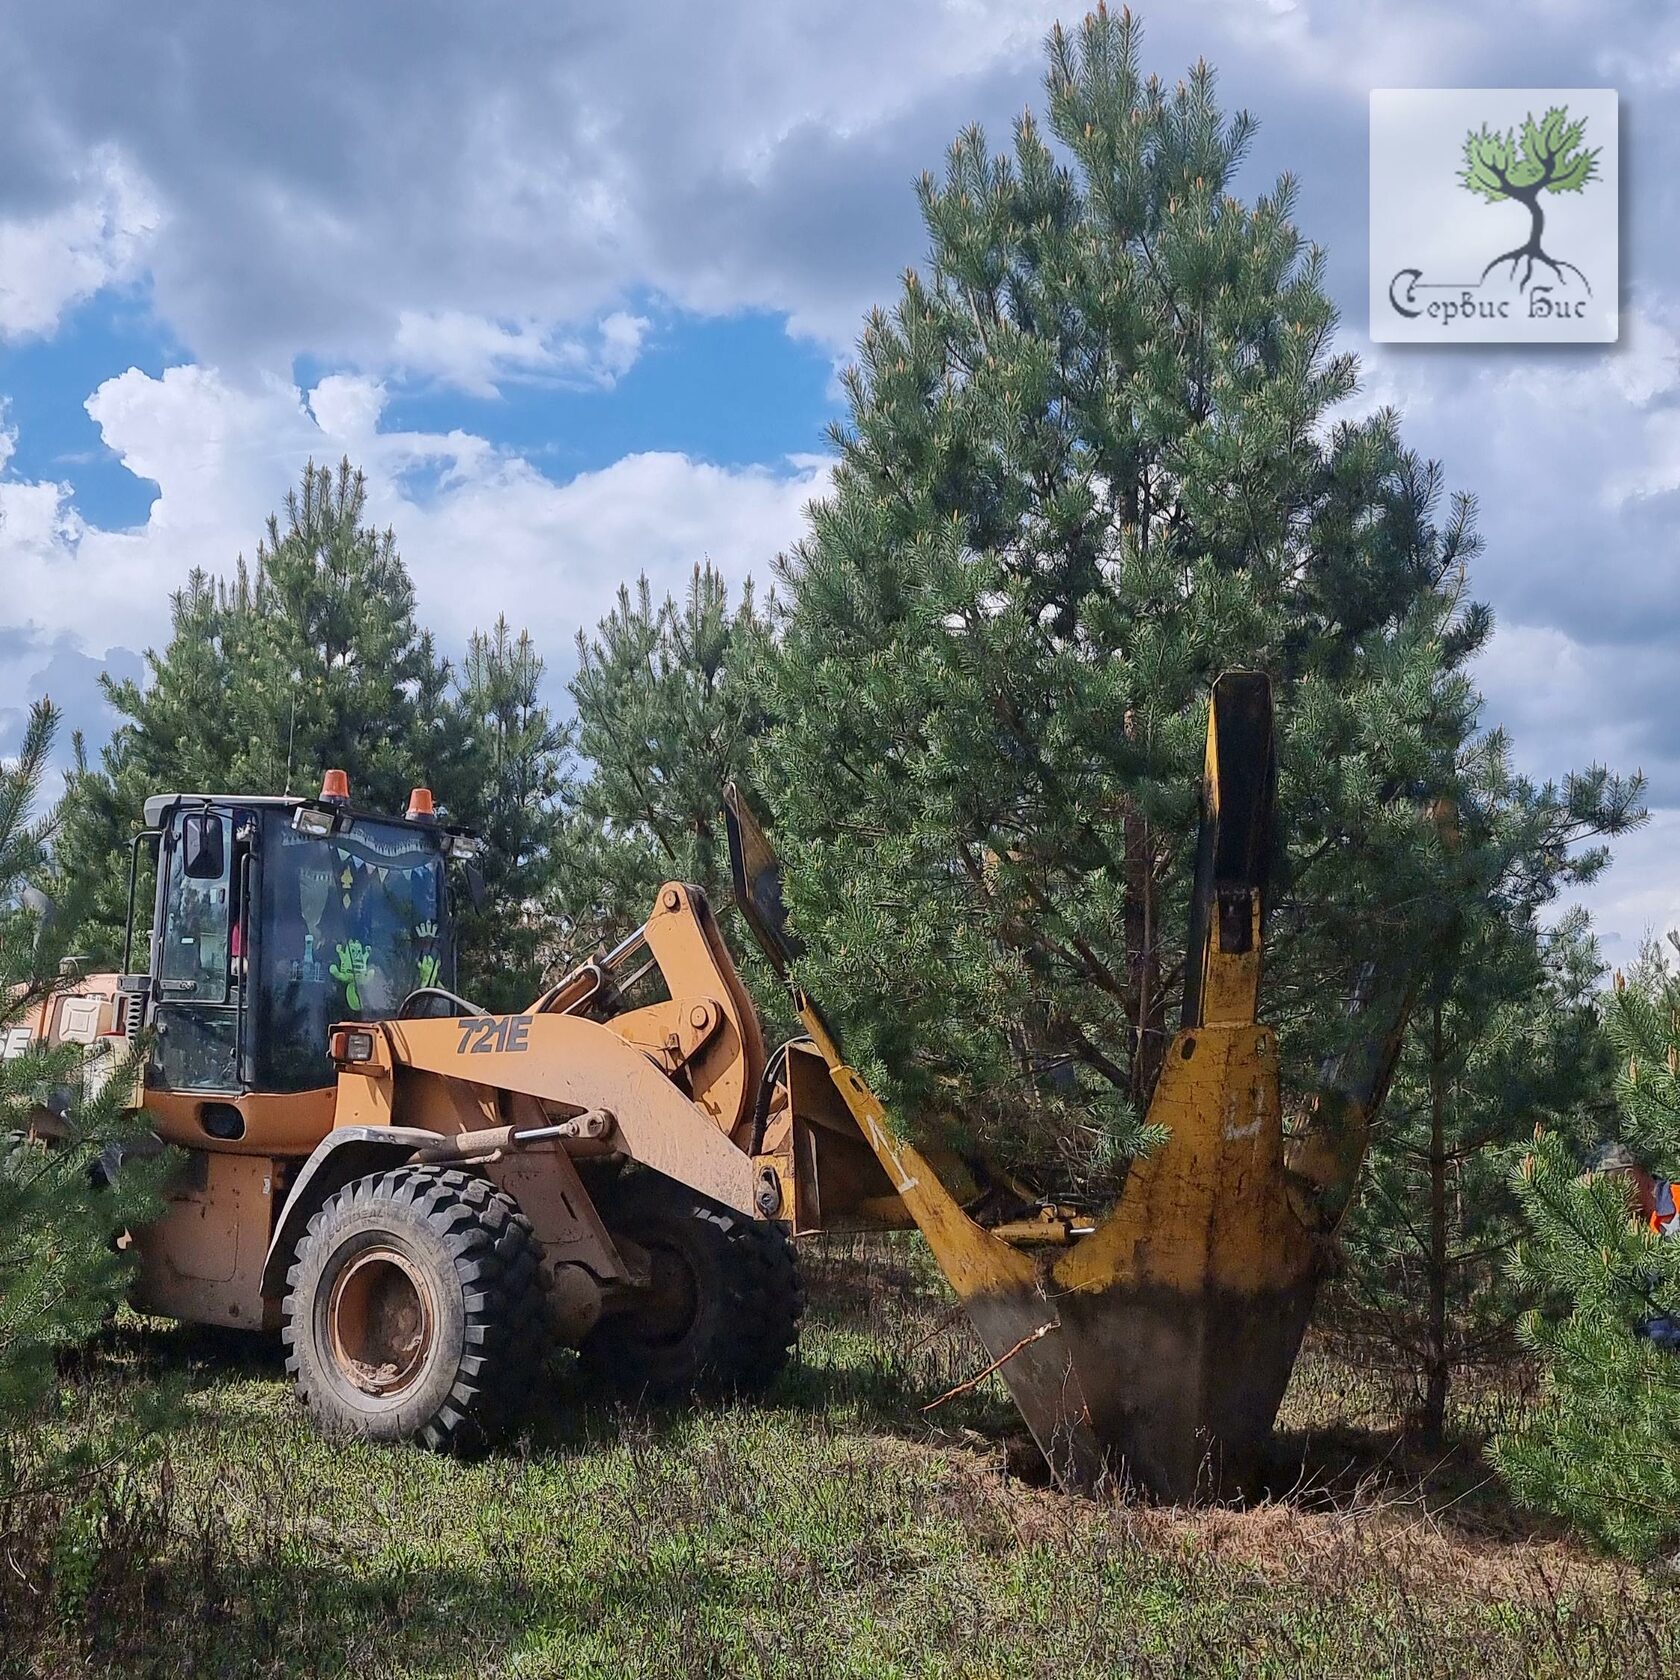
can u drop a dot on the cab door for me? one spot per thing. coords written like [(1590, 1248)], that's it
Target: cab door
[(197, 1011)]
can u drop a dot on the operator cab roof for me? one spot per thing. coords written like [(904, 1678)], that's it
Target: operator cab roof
[(455, 840), (158, 807)]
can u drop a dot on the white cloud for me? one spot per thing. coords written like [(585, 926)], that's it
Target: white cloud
[(1639, 894), (58, 256), (348, 406), (456, 189), (1640, 70), (507, 539), (1355, 47), (461, 187), (483, 530), (478, 355)]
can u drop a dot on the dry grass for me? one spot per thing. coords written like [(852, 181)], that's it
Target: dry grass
[(832, 1531)]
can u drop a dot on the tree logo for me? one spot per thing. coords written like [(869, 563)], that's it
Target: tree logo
[(1451, 169), (1549, 158)]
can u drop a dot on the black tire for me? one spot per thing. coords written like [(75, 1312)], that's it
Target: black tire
[(723, 1312), (414, 1310)]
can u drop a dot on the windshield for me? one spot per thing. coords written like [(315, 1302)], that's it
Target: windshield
[(349, 926)]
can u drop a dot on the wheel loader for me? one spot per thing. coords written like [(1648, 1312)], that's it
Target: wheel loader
[(419, 1196), (423, 1197)]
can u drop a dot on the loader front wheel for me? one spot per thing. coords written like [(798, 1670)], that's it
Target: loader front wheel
[(413, 1309), (722, 1308)]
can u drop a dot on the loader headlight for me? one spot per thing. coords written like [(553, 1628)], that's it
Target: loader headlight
[(352, 1046)]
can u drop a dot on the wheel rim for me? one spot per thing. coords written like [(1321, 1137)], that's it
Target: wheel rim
[(672, 1302), (381, 1322)]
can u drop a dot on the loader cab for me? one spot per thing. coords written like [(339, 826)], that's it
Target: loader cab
[(274, 918)]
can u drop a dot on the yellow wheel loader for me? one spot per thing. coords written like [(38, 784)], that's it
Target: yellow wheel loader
[(422, 1197)]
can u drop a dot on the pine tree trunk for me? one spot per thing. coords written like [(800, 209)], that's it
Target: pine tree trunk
[(1145, 1006), (1436, 1370)]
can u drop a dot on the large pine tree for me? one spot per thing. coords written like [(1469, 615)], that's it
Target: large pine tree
[(521, 768), (341, 657), (310, 658), (1094, 458), (664, 720)]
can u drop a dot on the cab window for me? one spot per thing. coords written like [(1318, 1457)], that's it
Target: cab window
[(349, 927), (199, 916)]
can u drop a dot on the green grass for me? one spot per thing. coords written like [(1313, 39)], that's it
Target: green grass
[(833, 1530)]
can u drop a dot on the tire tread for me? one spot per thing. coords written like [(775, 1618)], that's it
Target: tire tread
[(496, 1260)]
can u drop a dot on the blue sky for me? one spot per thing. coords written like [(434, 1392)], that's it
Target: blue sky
[(574, 289)]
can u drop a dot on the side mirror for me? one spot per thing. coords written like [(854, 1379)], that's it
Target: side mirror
[(203, 847), (478, 892)]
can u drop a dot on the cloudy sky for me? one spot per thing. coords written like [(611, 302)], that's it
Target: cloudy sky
[(572, 282)]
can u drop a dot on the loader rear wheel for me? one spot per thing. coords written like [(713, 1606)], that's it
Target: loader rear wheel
[(723, 1307), (414, 1309)]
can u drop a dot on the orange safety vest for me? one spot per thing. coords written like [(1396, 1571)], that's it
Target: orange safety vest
[(1665, 1221)]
